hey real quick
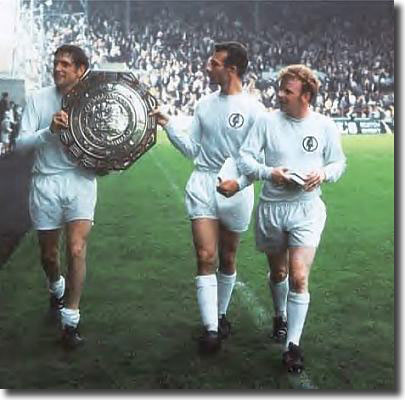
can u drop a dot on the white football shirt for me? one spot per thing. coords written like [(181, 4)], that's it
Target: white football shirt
[(50, 156), (300, 145), (219, 127)]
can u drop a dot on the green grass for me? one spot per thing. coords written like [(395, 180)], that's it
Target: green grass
[(139, 311)]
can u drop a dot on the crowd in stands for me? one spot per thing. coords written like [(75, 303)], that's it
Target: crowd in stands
[(353, 55), (10, 118)]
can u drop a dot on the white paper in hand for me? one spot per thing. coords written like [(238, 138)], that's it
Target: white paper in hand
[(297, 178), (228, 171), (234, 211)]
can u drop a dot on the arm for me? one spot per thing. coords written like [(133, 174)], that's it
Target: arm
[(249, 155), (188, 145), (30, 136), (250, 164), (334, 161)]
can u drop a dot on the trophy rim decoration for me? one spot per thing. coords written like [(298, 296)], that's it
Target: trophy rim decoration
[(109, 126)]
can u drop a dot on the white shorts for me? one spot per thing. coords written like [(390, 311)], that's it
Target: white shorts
[(203, 201), (303, 222), (60, 198)]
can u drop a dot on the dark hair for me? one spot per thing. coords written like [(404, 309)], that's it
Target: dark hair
[(237, 55), (78, 55), (310, 82)]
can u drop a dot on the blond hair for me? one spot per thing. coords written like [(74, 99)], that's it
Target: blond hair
[(310, 83)]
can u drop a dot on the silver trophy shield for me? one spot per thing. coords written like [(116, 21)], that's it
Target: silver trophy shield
[(109, 122)]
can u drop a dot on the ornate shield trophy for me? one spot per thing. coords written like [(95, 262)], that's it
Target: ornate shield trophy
[(109, 126)]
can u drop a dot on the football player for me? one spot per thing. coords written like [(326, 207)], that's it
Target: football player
[(302, 150), (220, 124), (62, 195)]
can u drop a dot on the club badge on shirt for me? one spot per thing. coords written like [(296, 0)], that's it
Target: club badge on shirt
[(236, 120), (310, 143)]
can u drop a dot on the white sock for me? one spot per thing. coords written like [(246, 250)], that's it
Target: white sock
[(297, 307), (225, 288), (279, 293), (207, 300), (69, 317), (57, 288)]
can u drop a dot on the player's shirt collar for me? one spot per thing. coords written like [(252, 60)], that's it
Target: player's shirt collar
[(297, 120)]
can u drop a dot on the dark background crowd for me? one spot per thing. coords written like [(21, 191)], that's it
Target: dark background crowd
[(166, 44)]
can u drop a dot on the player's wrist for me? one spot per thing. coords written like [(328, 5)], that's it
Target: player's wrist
[(268, 174), (52, 129), (323, 175), (167, 123), (242, 182)]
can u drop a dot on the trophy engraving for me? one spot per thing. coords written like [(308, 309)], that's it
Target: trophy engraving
[(109, 122)]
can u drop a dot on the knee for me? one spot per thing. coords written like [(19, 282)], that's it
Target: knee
[(299, 282), (278, 276), (77, 248), (228, 261), (206, 257), (50, 257)]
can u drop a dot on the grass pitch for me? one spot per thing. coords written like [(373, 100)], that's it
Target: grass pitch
[(139, 311)]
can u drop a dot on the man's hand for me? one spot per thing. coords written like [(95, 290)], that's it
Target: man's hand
[(314, 179), (227, 188), (279, 176), (59, 121), (161, 118)]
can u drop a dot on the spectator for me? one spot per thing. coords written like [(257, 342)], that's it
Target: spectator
[(6, 131), (350, 53), (4, 105)]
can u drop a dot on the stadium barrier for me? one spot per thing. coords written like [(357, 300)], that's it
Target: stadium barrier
[(355, 126), (350, 126)]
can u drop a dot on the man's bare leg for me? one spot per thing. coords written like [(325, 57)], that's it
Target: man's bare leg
[(76, 245), (226, 276), (205, 236)]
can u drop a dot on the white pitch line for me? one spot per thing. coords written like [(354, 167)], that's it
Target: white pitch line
[(261, 316), (176, 189)]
